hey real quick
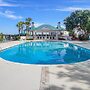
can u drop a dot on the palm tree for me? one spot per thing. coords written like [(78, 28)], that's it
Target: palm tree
[(27, 23), (20, 26), (29, 19)]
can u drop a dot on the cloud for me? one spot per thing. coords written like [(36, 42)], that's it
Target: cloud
[(72, 9), (80, 1), (5, 4), (10, 14), (38, 24)]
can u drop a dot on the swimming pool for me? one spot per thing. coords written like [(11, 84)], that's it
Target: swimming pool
[(46, 53)]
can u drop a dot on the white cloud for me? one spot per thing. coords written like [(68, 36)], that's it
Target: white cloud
[(79, 1), (6, 4), (38, 24), (63, 26), (76, 0), (3, 4), (10, 14), (72, 9)]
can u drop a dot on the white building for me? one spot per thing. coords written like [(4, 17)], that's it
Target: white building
[(45, 32)]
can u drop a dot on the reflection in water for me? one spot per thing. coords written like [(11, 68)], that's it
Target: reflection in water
[(66, 45), (75, 47), (62, 54)]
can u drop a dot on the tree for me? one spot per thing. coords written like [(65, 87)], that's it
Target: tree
[(88, 25), (29, 19), (78, 17), (27, 23), (20, 26)]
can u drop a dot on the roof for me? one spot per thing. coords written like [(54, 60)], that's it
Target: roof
[(45, 27)]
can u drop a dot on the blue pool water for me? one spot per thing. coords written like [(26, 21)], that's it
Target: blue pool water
[(46, 53)]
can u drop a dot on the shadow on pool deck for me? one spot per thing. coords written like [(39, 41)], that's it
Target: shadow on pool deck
[(61, 88), (54, 88), (78, 76)]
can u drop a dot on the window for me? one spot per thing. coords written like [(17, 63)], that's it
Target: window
[(37, 37), (47, 37)]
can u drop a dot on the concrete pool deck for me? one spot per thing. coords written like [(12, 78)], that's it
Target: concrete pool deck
[(30, 77), (18, 76), (71, 77)]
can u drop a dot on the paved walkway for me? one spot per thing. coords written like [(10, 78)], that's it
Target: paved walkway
[(70, 77), (9, 44), (19, 77)]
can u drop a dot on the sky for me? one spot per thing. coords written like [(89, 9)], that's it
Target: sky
[(41, 12)]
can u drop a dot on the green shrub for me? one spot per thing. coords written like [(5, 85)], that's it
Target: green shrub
[(29, 39), (71, 33), (17, 38), (1, 37), (83, 37)]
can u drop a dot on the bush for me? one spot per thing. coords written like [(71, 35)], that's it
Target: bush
[(29, 39), (71, 33), (17, 38), (1, 37), (83, 37)]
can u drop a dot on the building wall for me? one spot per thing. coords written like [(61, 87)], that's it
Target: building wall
[(46, 34), (23, 37)]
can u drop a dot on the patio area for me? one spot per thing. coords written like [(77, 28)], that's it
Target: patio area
[(14, 76)]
